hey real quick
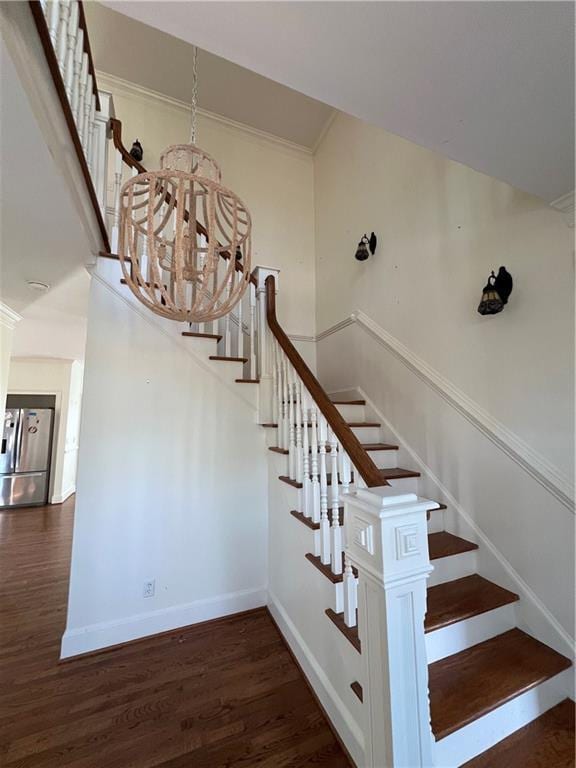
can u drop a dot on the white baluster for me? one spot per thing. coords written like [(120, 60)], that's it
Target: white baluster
[(345, 470), (90, 143), (315, 484), (276, 401), (82, 95), (53, 22), (306, 506), (291, 430), (240, 334), (324, 520), (71, 34), (299, 418), (285, 412), (116, 215), (78, 51), (252, 330), (350, 594), (227, 336), (85, 118), (336, 530), (61, 43)]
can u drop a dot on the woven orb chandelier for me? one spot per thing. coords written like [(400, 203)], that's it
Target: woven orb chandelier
[(182, 235)]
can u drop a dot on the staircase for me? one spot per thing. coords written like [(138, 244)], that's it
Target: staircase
[(485, 674), (495, 692), (417, 658)]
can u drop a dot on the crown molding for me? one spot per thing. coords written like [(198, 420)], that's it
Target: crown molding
[(140, 91), (8, 318)]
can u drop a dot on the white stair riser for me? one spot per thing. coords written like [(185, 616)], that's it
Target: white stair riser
[(405, 484), (436, 522), (464, 634), (367, 434), (483, 733), (384, 459), (231, 371), (352, 412), (205, 347), (454, 567)]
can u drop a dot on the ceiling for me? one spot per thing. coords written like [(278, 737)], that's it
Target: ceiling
[(163, 63), (490, 84)]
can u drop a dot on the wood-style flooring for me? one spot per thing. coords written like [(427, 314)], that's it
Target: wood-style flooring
[(222, 694)]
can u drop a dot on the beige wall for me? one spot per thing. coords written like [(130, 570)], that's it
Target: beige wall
[(273, 178), (6, 340), (482, 406), (441, 228)]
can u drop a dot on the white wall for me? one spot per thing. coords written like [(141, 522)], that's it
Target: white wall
[(8, 321), (442, 227), (171, 486), (62, 378), (273, 177)]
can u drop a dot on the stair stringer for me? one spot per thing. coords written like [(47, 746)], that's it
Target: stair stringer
[(533, 616)]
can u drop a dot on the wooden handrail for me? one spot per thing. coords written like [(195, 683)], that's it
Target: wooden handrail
[(52, 61), (350, 443), (116, 131)]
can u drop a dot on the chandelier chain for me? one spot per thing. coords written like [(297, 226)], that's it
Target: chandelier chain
[(194, 103)]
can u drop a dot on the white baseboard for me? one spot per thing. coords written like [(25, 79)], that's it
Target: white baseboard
[(96, 636), (346, 727), (60, 498)]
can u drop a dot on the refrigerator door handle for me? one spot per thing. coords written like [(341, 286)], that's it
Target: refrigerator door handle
[(18, 439)]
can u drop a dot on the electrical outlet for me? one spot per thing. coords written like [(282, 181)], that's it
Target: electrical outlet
[(149, 588)]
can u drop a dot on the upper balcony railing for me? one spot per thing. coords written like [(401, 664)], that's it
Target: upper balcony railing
[(61, 25)]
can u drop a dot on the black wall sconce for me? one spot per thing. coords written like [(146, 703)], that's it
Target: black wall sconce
[(136, 151), (366, 244), (496, 292)]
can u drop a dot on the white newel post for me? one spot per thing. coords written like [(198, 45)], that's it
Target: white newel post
[(100, 141), (387, 541), (264, 346)]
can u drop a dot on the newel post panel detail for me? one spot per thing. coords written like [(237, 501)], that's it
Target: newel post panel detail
[(265, 361), (387, 541)]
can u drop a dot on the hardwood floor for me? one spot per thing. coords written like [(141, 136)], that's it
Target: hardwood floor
[(222, 694)]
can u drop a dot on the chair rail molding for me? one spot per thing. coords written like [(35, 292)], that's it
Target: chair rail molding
[(565, 204), (532, 462)]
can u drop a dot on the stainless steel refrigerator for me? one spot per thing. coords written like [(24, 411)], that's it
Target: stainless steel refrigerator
[(25, 456)]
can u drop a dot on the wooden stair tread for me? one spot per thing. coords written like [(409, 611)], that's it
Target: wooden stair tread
[(349, 402), (296, 484), (363, 424), (293, 483), (460, 599), (247, 381), (397, 473), (277, 449), (379, 447), (547, 742), (308, 520), (357, 688), (229, 359), (469, 684), (444, 544), (195, 335), (335, 578), (350, 633)]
